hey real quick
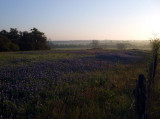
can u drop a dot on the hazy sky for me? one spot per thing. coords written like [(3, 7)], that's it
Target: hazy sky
[(83, 19)]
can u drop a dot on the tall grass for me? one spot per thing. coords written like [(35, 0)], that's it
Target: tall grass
[(155, 43)]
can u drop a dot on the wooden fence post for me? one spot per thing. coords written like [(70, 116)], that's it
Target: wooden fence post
[(140, 97)]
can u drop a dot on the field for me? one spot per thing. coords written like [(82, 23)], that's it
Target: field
[(73, 84)]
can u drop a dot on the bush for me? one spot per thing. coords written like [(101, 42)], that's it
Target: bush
[(121, 46), (7, 45), (95, 44), (14, 47), (4, 43)]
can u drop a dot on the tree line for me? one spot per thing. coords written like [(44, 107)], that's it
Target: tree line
[(15, 40)]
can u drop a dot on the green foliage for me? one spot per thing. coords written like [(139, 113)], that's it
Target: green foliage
[(4, 43), (14, 47), (7, 45), (155, 44), (16, 40)]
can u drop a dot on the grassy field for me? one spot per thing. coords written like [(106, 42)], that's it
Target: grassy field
[(73, 84)]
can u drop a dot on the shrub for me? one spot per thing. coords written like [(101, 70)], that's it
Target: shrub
[(4, 43), (95, 44), (13, 47), (121, 46)]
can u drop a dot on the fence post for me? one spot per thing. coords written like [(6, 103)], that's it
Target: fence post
[(140, 97)]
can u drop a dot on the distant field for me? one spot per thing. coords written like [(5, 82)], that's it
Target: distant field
[(105, 44), (72, 84)]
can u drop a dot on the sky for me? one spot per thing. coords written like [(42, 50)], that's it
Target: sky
[(83, 19)]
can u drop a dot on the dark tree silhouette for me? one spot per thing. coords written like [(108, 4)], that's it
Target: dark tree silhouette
[(121, 46), (18, 40), (4, 33), (39, 39), (7, 45), (13, 35), (95, 44), (25, 42)]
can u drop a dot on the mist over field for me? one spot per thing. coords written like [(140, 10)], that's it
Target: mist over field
[(106, 44)]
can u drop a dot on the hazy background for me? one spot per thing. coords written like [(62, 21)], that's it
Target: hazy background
[(83, 19)]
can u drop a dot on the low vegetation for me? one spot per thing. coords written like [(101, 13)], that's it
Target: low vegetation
[(72, 84)]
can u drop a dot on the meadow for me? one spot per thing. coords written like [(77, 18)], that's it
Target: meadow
[(73, 84)]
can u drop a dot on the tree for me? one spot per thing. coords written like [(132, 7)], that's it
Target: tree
[(155, 43), (4, 43), (33, 40), (7, 45), (39, 40), (26, 42), (13, 35), (95, 44), (14, 47), (15, 40), (4, 33), (121, 46)]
